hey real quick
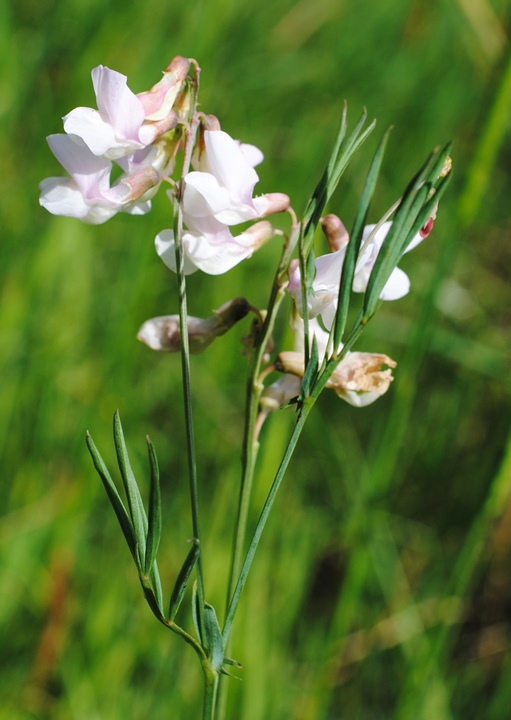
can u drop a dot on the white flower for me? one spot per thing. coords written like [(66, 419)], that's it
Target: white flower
[(87, 194), (325, 287), (223, 186), (208, 245), (125, 122)]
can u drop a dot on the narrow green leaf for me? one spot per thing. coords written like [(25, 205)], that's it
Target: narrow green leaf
[(319, 194), (342, 153), (392, 249), (135, 505), (419, 192), (353, 249), (113, 496), (154, 520), (214, 643), (154, 576), (182, 581), (311, 371), (196, 613), (152, 599)]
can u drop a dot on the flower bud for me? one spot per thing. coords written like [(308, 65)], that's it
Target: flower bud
[(277, 203), (164, 335), (259, 233), (336, 234), (139, 185), (158, 101)]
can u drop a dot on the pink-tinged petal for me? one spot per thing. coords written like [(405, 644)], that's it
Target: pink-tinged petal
[(328, 269), (117, 103), (358, 399), (212, 258), (96, 132), (165, 247), (61, 196), (252, 154), (229, 165), (91, 173), (204, 195), (138, 208), (396, 287)]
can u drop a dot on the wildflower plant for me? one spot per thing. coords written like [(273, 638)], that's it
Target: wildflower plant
[(210, 194)]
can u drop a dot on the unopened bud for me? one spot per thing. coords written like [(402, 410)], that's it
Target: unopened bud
[(336, 234), (259, 233), (210, 122), (290, 362), (138, 185), (428, 225), (277, 202), (158, 101), (164, 335), (151, 131)]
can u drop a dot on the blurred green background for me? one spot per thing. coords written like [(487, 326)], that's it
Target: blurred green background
[(383, 585)]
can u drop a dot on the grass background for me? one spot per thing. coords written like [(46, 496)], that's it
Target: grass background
[(382, 588)]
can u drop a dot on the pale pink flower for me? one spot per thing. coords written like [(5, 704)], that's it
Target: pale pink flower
[(209, 245), (223, 187), (87, 194), (125, 122)]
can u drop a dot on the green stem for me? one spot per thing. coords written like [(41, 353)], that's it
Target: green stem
[(185, 349), (250, 444), (264, 517), (210, 692), (253, 394)]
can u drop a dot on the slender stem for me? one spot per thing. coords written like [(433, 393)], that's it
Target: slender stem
[(253, 394), (306, 408), (250, 442), (185, 350), (210, 692)]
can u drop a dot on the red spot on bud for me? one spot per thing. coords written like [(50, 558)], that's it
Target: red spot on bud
[(427, 228)]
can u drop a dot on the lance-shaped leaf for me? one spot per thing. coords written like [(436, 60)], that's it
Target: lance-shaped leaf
[(182, 581), (214, 644), (409, 215), (154, 519), (135, 505), (114, 497), (311, 372), (196, 613), (343, 150), (153, 595), (353, 248)]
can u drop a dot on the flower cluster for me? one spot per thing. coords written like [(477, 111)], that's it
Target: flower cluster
[(140, 134)]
